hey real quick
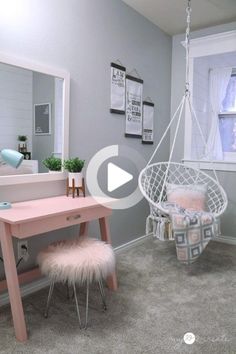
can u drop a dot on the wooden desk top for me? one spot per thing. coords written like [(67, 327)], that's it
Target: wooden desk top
[(41, 208)]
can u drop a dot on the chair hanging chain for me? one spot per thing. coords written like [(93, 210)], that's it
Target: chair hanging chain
[(157, 173), (187, 47), (187, 91), (186, 97)]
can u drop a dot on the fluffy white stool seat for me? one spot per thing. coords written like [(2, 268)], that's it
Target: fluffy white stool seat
[(77, 261)]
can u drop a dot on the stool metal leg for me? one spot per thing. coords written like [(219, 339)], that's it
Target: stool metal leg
[(67, 291), (101, 288), (77, 306), (49, 298), (87, 300)]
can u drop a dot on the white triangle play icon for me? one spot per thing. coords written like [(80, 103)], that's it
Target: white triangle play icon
[(116, 177)]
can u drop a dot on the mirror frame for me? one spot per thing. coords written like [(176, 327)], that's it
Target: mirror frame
[(56, 72)]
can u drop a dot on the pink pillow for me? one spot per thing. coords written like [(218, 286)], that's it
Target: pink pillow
[(188, 196)]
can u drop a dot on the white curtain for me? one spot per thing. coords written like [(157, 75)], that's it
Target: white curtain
[(229, 103), (218, 82)]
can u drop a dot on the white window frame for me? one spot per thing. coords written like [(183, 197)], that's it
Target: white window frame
[(200, 47)]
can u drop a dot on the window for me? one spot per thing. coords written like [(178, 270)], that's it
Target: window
[(229, 103), (207, 53), (227, 121), (228, 132)]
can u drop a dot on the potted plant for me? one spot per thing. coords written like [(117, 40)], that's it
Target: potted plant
[(52, 163), (22, 146), (74, 167)]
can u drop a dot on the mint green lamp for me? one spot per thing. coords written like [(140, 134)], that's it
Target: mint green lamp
[(14, 159)]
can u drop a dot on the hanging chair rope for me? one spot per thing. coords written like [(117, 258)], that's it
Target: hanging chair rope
[(193, 114), (185, 100), (166, 131), (172, 149), (187, 91), (153, 178), (187, 46)]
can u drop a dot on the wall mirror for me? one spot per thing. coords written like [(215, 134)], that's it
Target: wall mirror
[(34, 118)]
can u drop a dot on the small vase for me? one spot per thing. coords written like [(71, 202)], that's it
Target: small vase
[(77, 176)]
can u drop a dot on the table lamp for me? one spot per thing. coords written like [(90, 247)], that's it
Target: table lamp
[(14, 159)]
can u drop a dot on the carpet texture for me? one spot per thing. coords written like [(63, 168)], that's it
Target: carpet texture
[(158, 301)]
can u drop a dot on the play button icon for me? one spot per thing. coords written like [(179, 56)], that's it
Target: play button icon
[(116, 177)]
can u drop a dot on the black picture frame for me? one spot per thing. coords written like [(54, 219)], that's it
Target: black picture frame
[(42, 119)]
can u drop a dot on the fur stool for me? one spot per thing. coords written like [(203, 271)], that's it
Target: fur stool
[(79, 261)]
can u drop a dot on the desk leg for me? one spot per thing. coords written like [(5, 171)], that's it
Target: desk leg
[(83, 229), (105, 236), (12, 282)]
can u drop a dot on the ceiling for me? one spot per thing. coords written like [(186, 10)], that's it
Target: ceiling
[(170, 15)]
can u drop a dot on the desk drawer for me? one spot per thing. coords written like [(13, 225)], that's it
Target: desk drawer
[(47, 224)]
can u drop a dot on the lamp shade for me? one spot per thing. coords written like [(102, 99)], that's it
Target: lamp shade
[(12, 157)]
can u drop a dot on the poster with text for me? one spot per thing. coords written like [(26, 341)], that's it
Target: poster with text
[(117, 89), (148, 116), (134, 109)]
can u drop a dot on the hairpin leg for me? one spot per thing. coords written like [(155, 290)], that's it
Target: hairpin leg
[(77, 306), (87, 299), (101, 288), (67, 291), (49, 298)]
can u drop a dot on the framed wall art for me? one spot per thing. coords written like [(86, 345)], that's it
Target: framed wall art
[(148, 115), (134, 109), (42, 119), (117, 88)]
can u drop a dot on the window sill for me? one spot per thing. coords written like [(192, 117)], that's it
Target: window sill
[(229, 166), (228, 113)]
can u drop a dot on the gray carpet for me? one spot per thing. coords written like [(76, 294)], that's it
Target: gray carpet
[(158, 301)]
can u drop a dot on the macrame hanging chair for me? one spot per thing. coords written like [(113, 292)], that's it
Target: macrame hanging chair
[(153, 178)]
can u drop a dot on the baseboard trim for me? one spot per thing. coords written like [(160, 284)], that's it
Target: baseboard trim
[(226, 239), (26, 290), (41, 283), (131, 243)]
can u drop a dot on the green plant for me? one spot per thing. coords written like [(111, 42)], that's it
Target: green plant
[(22, 138), (74, 165), (52, 163)]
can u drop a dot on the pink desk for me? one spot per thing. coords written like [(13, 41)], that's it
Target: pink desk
[(30, 218)]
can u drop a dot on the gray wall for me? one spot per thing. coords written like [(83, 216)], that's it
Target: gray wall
[(43, 92), (228, 221), (83, 37)]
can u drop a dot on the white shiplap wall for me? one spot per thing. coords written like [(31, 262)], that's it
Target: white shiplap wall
[(15, 106)]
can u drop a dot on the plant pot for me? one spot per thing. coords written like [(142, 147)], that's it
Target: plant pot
[(77, 176), (50, 171)]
